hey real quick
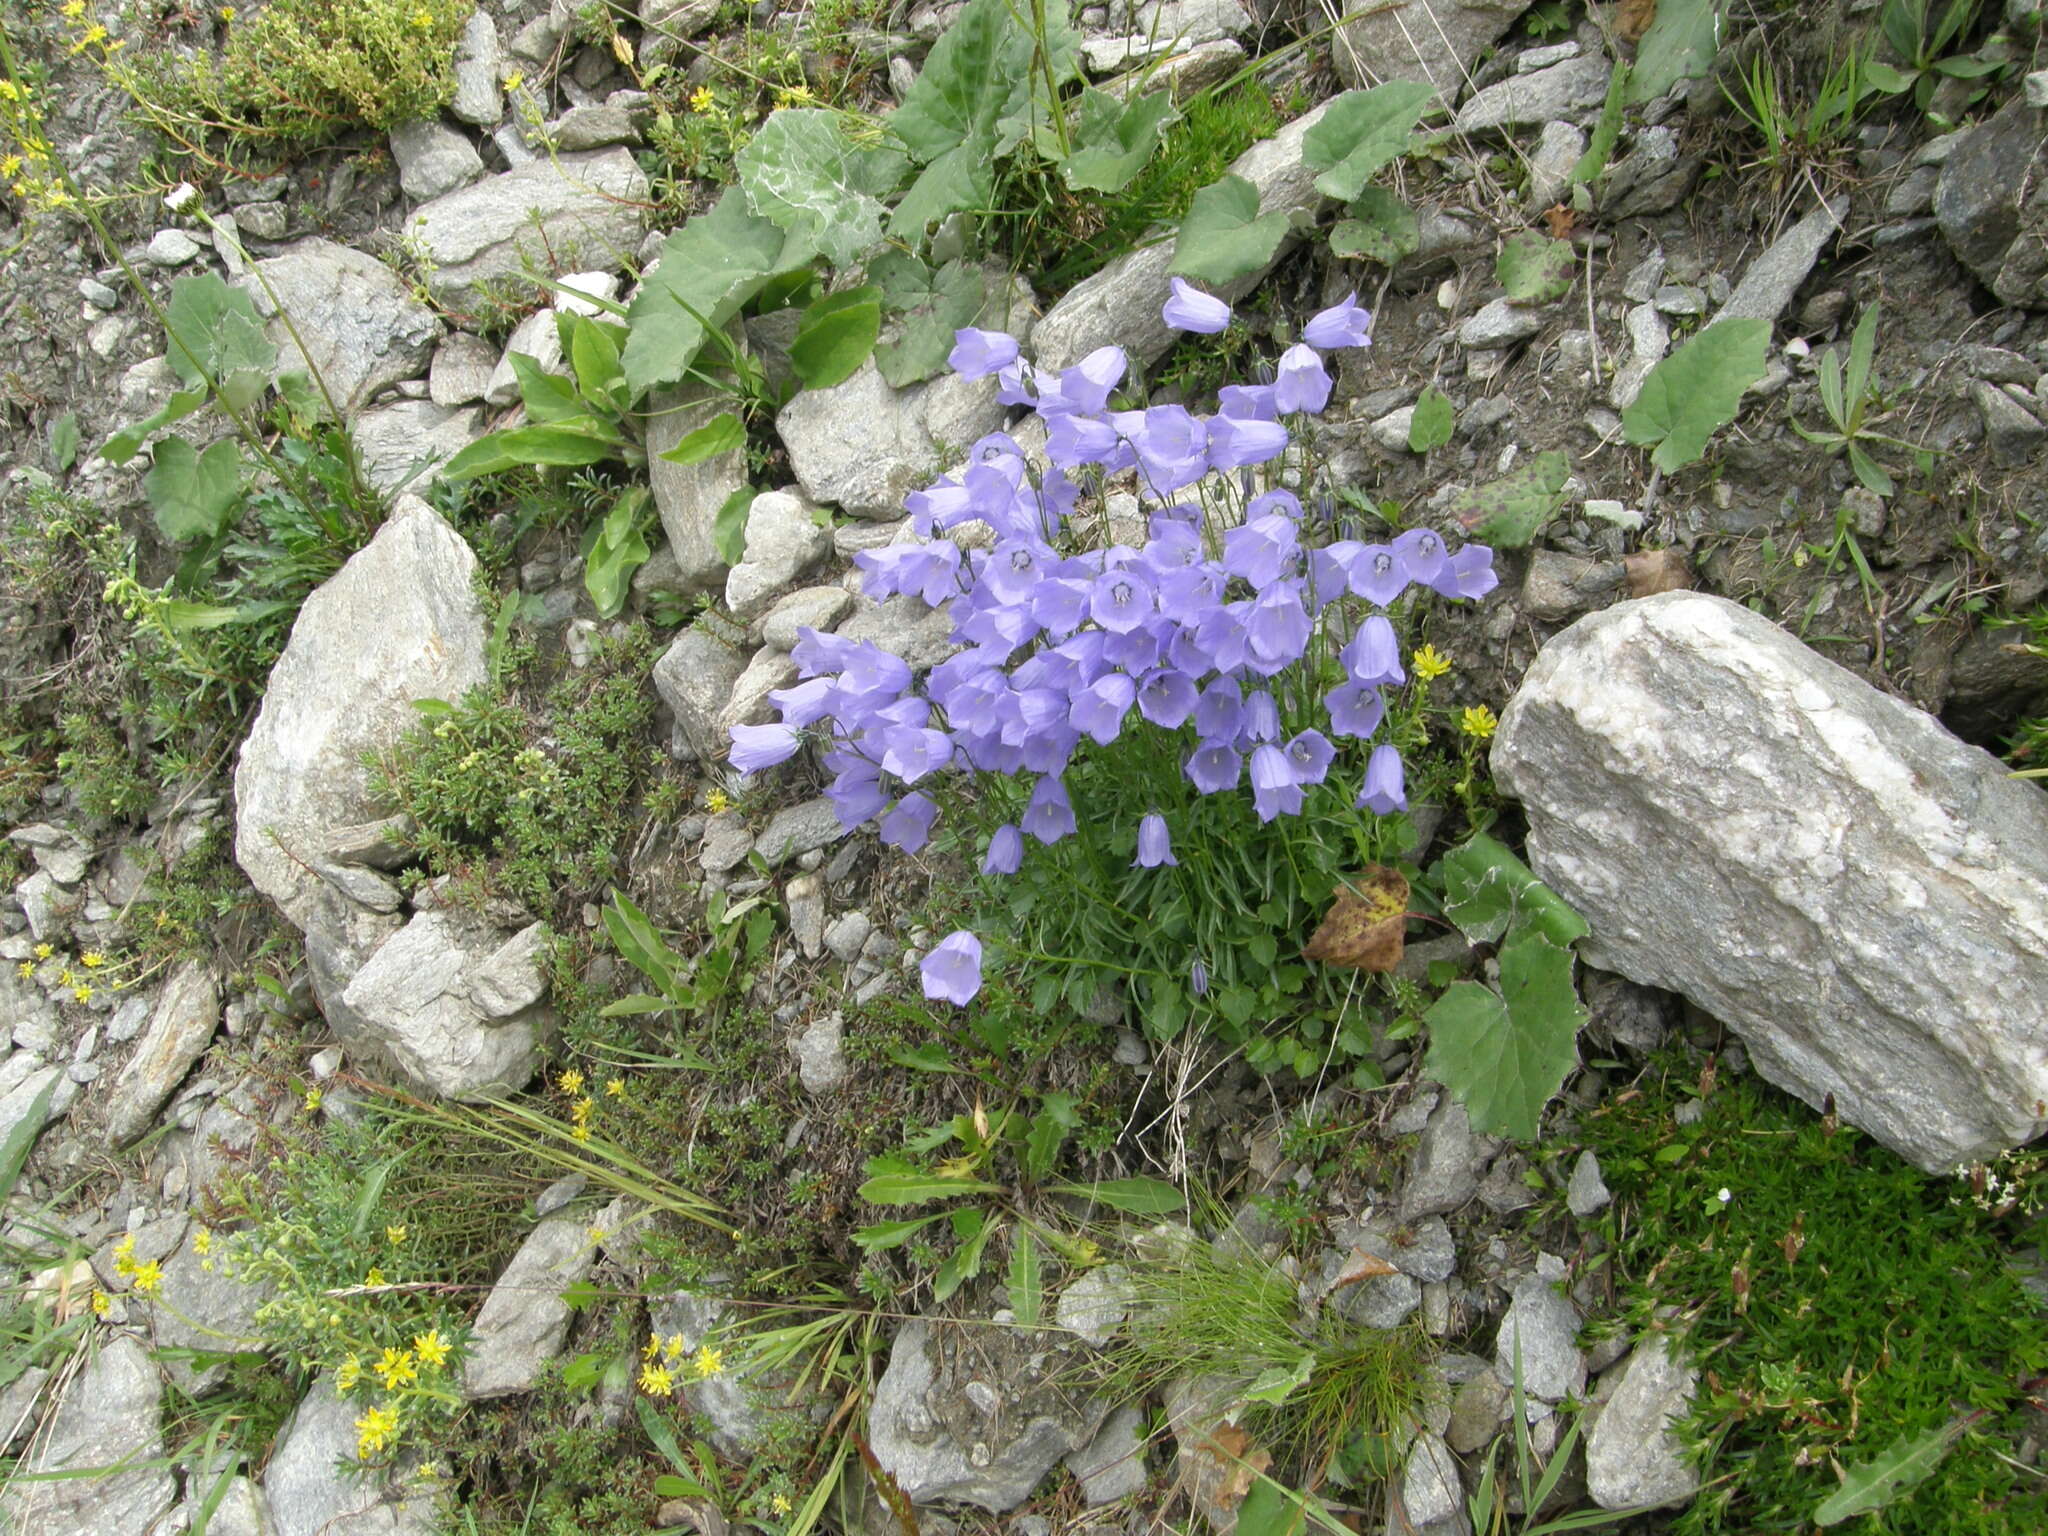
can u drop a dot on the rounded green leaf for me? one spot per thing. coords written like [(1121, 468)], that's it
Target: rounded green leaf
[(1535, 269), (1503, 1054), (835, 336), (1224, 236), (1361, 133)]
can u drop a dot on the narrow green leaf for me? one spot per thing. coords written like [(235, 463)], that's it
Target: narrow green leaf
[(64, 442), (1680, 45), (891, 1234), (929, 1057), (1696, 391), (1134, 1197), (915, 1188), (729, 527), (1224, 236), (193, 495), (964, 1263), (1431, 425), (1600, 147), (835, 336), (1361, 133), (673, 1485), (576, 441), (1025, 1283), (125, 444), (1902, 1465), (721, 434)]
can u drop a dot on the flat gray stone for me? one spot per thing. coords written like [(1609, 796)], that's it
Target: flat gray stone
[(1544, 96), (1443, 1171), (792, 833), (1434, 41), (860, 445), (1991, 207), (785, 542), (361, 328), (200, 1307), (1771, 280), (1633, 1458), (1500, 324), (820, 1053), (1112, 1465), (1093, 1307), (695, 678), (688, 496), (818, 608), (1432, 1497), (462, 370), (403, 446), (805, 897), (316, 1487), (1546, 1327), (2013, 433), (109, 1414), (562, 214), (524, 1320), (1586, 1193), (479, 100), (181, 1027), (433, 158), (1822, 867)]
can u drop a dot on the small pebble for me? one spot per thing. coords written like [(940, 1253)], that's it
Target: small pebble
[(171, 248), (97, 293)]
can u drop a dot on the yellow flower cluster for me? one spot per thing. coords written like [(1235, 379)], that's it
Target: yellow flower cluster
[(661, 1362), (144, 1279), (397, 1371), (79, 982), (376, 1430)]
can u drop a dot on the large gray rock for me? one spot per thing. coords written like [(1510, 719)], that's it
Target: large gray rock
[(667, 24), (200, 1308), (1543, 1327), (242, 1510), (1991, 202), (1632, 1457), (524, 1320), (353, 323), (1443, 1172), (316, 1487), (689, 496), (400, 621), (976, 1417), (28, 1098), (479, 100), (784, 543), (1437, 41), (180, 1028), (1120, 305), (108, 1415), (1863, 898), (695, 678), (797, 831), (403, 445), (1112, 1465), (1432, 1497), (1544, 96), (1771, 280), (742, 1407), (555, 215), (860, 445), (457, 1003), (433, 158)]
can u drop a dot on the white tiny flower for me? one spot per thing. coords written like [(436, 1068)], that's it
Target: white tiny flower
[(1725, 1195)]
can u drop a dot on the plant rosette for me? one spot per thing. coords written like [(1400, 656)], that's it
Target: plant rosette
[(1247, 643)]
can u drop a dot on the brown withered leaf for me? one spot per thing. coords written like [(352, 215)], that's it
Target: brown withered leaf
[(1651, 571), (1632, 18), (1367, 923), (1240, 1461), (1561, 219), (1362, 1266)]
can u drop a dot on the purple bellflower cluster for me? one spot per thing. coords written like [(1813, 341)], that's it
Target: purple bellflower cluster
[(1190, 632)]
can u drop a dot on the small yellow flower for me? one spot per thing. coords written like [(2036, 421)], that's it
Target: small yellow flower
[(707, 1362), (396, 1369), (395, 1234), (312, 1100), (615, 1088), (82, 993), (124, 1255), (718, 800), (780, 1504), (657, 1380), (423, 19), (672, 1348), (570, 1082), (43, 951), (431, 1347), (375, 1276), (580, 1111), (349, 1374), (147, 1278), (202, 1241), (579, 1132), (65, 977), (73, 8), (701, 99), (1429, 663), (376, 1430), (227, 13), (92, 959), (9, 169), (102, 1303), (652, 1347), (1478, 722), (26, 969), (515, 79)]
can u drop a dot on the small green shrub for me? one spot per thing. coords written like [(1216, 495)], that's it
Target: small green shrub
[(1837, 1301)]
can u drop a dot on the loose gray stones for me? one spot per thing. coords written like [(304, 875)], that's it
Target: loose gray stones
[(1632, 1457), (360, 327), (1863, 898), (1543, 1327), (109, 1415), (182, 1025), (525, 1318)]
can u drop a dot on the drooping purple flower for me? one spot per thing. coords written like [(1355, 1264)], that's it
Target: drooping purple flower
[(1373, 656), (951, 972), (1171, 446), (1467, 574), (1192, 310), (1155, 844), (1355, 710), (1013, 569), (1198, 979), (1085, 387), (1274, 789), (755, 747), (1310, 755), (912, 754), (1301, 382), (1073, 438), (1262, 550), (930, 570), (1385, 783), (1120, 600), (1348, 324), (1261, 717), (1422, 551), (1213, 767), (977, 354), (1005, 851), (1278, 626), (1099, 709), (909, 825), (1278, 502), (1248, 402), (1219, 713), (1166, 697), (1050, 815), (1378, 574), (1015, 385), (1234, 443), (1059, 604)]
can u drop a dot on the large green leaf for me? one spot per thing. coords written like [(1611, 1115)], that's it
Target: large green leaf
[(1680, 45), (1224, 236), (1507, 513), (1696, 391), (594, 349), (214, 335), (971, 80), (1535, 269), (193, 495), (928, 308), (1433, 422), (835, 336), (891, 1234), (960, 180), (125, 444), (721, 434), (614, 549), (564, 444), (913, 1188), (546, 396), (1135, 1197), (1903, 1465), (1489, 892), (1361, 133), (1381, 228), (709, 268), (1503, 1054), (1112, 140), (802, 173), (974, 1230)]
